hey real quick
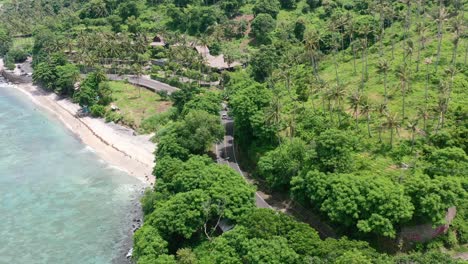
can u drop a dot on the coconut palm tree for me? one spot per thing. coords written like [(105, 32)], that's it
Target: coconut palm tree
[(423, 113), (383, 67), (427, 61), (312, 45), (440, 16), (333, 27), (392, 123), (441, 109), (407, 20), (402, 75), (365, 30), (382, 6), (457, 25), (355, 101), (138, 71), (273, 113), (413, 126), (366, 110), (350, 29), (335, 94), (364, 62), (382, 110), (422, 31)]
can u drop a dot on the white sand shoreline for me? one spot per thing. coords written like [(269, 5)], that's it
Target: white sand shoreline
[(115, 144)]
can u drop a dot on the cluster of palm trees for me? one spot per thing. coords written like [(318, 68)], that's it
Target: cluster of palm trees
[(122, 52)]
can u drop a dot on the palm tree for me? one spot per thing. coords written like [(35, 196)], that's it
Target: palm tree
[(366, 110), (409, 53), (441, 109), (392, 124), (312, 45), (383, 112), (451, 71), (273, 113), (407, 20), (394, 36), (351, 30), (421, 29), (413, 126), (335, 94), (402, 75), (423, 113), (335, 51), (457, 26), (383, 67), (382, 6), (440, 16), (427, 61), (333, 27), (355, 100), (138, 71), (364, 64), (365, 30)]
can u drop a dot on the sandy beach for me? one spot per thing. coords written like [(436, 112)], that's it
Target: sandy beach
[(115, 144)]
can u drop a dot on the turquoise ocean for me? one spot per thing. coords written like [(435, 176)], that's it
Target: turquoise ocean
[(59, 203)]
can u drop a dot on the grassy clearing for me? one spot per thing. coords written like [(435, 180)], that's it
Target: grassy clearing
[(135, 108), (24, 43)]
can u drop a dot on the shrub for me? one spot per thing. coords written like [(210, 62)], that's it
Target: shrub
[(10, 65), (163, 94), (17, 55), (113, 117), (98, 110)]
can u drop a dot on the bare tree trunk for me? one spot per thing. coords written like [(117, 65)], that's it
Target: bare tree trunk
[(336, 68), (391, 137), (368, 125), (354, 57), (385, 87)]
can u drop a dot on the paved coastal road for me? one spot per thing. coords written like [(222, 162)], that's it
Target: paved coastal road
[(226, 154)]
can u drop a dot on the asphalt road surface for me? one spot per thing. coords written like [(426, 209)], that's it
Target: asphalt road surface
[(226, 154)]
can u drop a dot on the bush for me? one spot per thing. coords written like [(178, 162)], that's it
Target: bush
[(98, 111), (155, 122), (10, 65), (17, 55), (113, 117), (163, 94)]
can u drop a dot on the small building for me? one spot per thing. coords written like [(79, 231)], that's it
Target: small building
[(158, 41)]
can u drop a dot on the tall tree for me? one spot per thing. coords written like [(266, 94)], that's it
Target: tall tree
[(355, 101), (440, 16), (402, 74), (366, 110), (312, 40), (458, 26), (383, 67), (422, 39), (392, 124)]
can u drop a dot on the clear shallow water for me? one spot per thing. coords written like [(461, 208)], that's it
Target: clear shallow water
[(58, 202)]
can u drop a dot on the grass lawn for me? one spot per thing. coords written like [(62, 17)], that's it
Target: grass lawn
[(135, 108), (23, 42)]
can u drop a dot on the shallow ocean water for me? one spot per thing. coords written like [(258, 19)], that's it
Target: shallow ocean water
[(59, 203)]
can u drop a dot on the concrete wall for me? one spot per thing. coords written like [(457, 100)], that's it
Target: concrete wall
[(426, 232)]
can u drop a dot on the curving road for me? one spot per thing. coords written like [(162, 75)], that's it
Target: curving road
[(226, 154)]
